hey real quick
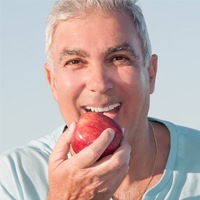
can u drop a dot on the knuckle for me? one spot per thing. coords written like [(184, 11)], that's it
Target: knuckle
[(129, 148), (117, 162), (90, 153), (122, 160)]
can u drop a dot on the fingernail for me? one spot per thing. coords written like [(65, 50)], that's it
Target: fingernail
[(72, 125), (111, 132)]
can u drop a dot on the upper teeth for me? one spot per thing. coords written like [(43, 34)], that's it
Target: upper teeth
[(105, 109)]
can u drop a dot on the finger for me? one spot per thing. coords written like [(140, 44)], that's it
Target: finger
[(91, 154), (119, 159), (62, 147)]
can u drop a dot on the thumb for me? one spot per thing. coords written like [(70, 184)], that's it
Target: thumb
[(62, 147)]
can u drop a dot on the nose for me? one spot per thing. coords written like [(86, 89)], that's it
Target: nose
[(99, 80)]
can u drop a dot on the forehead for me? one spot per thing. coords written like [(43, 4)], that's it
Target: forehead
[(97, 31)]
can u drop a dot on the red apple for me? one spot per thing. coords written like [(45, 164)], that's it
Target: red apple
[(90, 126)]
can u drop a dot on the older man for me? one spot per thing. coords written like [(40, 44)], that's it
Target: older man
[(99, 59)]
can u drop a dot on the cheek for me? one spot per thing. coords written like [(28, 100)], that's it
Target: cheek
[(67, 84), (68, 90), (135, 87), (133, 79)]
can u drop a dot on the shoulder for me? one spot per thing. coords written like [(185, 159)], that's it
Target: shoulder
[(188, 138), (179, 131), (181, 178), (189, 146), (189, 132), (23, 169), (184, 145), (34, 150)]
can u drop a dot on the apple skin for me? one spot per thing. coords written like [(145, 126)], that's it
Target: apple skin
[(90, 126)]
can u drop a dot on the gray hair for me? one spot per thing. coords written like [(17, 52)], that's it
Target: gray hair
[(65, 9)]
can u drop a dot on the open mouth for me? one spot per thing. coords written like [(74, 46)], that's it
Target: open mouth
[(110, 111)]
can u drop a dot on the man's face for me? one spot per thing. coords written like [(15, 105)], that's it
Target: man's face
[(98, 66)]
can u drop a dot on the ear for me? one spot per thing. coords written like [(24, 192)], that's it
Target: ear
[(152, 72), (51, 79)]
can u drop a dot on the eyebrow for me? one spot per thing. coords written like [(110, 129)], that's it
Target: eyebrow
[(121, 47), (72, 52), (77, 52)]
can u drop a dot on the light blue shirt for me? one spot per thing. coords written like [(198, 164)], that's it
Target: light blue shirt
[(24, 170)]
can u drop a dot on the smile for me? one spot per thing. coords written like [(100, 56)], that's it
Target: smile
[(111, 107)]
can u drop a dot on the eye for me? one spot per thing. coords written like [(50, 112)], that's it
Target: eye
[(74, 64), (121, 60), (117, 58)]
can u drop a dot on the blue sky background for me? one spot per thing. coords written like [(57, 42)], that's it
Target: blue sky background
[(27, 108)]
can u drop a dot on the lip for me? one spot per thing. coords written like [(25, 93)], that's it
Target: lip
[(102, 109), (111, 110)]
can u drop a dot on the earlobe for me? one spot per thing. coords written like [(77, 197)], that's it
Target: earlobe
[(51, 80), (152, 72)]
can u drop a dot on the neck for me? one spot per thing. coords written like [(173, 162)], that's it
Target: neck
[(142, 164), (143, 151)]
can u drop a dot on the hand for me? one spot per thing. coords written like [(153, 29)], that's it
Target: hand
[(82, 176)]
